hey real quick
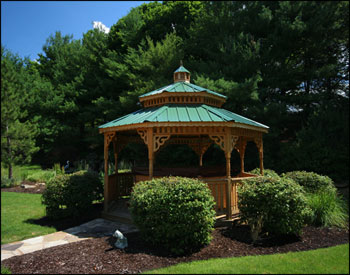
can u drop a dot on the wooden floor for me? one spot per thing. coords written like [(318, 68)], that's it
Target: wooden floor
[(118, 211)]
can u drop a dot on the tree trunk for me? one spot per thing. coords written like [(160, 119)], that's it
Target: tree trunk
[(9, 151)]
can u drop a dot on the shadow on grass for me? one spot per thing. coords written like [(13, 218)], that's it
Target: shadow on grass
[(66, 223)]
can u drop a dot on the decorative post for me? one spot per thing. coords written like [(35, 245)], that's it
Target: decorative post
[(259, 143), (150, 152), (228, 150), (115, 155), (242, 146), (107, 140), (261, 157)]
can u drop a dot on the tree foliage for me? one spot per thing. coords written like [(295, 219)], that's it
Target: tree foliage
[(17, 133), (282, 63)]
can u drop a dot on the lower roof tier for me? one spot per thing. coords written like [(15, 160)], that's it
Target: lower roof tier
[(181, 113)]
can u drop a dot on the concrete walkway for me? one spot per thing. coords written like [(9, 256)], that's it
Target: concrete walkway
[(92, 229)]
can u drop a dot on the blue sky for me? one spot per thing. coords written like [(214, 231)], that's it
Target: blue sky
[(25, 25)]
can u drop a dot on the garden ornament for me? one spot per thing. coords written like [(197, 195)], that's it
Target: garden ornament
[(122, 241)]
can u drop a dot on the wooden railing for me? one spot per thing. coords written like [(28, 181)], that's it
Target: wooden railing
[(120, 185), (218, 188)]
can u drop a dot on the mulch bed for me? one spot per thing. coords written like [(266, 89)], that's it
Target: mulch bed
[(99, 255), (38, 189)]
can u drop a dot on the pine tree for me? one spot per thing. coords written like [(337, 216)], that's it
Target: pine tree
[(17, 135)]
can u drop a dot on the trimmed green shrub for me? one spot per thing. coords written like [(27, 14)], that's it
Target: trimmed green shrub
[(72, 195), (311, 181), (267, 172), (175, 213), (275, 204)]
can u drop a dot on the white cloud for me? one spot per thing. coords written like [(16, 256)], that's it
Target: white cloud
[(100, 26)]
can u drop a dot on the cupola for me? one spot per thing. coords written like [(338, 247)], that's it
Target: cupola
[(181, 74)]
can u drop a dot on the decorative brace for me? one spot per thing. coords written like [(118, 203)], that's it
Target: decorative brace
[(143, 135), (259, 144), (109, 138), (159, 140), (219, 140)]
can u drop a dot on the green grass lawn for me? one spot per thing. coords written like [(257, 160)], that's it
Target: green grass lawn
[(16, 208), (332, 260)]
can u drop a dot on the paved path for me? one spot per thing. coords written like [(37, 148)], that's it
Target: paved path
[(92, 229)]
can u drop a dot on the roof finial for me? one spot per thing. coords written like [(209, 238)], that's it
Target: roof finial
[(181, 63)]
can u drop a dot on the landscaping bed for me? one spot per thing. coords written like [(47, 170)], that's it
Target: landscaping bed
[(36, 189), (99, 255)]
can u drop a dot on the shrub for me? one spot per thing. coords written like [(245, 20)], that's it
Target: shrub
[(41, 176), (327, 209), (267, 172), (72, 195), (174, 212), (311, 181), (6, 182), (277, 205)]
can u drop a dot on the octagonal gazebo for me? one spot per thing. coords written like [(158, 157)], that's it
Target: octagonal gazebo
[(183, 113)]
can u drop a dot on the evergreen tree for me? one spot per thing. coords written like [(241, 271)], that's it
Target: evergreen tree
[(17, 135)]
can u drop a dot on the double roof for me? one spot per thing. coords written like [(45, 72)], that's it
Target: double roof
[(184, 112)]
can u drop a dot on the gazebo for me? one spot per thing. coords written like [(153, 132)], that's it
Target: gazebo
[(182, 113)]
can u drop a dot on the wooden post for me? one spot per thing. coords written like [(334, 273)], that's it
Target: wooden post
[(261, 157), (201, 160), (228, 150), (259, 145), (243, 144), (106, 173), (229, 186), (115, 156), (150, 145)]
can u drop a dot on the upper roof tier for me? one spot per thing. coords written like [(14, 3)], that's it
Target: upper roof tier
[(182, 92)]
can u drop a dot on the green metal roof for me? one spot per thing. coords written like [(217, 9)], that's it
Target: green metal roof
[(181, 113), (181, 69), (182, 87)]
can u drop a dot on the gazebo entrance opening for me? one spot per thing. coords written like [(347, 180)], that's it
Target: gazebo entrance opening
[(182, 113)]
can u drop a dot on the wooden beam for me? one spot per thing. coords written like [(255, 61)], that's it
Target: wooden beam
[(194, 128)]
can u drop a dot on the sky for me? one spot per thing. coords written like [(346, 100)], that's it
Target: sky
[(25, 25)]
